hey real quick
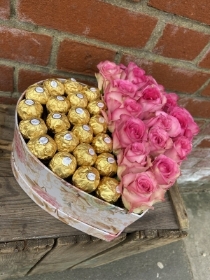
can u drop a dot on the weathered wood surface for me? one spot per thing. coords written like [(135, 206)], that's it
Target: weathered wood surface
[(73, 250), (135, 243), (17, 258)]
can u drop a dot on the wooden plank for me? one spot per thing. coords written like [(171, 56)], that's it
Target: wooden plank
[(17, 258), (7, 121), (179, 207), (22, 219), (72, 250), (136, 243)]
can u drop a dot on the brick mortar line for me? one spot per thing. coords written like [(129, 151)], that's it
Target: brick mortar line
[(154, 37), (198, 92), (201, 55)]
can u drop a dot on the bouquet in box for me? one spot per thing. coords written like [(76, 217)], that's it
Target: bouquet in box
[(152, 135)]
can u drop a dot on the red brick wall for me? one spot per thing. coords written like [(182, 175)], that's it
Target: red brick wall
[(170, 39)]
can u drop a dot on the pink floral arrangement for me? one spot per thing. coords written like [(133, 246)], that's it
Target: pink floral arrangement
[(152, 135)]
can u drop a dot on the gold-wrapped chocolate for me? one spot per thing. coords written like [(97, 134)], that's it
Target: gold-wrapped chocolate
[(54, 87), (72, 86), (37, 93), (92, 93), (107, 190), (66, 141), (59, 104), (28, 109), (102, 143), (57, 122), (83, 132), (106, 164), (78, 99), (32, 128), (63, 164), (86, 178), (85, 154), (78, 115), (43, 147), (98, 124), (95, 107)]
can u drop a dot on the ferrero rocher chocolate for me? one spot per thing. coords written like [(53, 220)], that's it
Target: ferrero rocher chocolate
[(106, 164), (54, 86), (102, 143), (83, 132), (57, 122), (37, 93), (95, 107), (32, 128), (86, 178), (63, 164), (78, 99), (85, 154), (78, 115), (43, 147), (92, 93), (59, 104), (66, 141), (28, 109), (107, 190), (71, 86), (98, 124)]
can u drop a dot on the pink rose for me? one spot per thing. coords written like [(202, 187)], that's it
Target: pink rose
[(134, 159), (181, 148), (165, 170), (188, 127), (152, 98), (140, 191), (159, 140), (128, 130), (171, 101), (167, 122)]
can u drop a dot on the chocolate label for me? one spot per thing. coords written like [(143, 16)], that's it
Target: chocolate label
[(79, 95), (86, 127), (60, 98), (107, 140), (73, 80), (101, 120), (68, 137), (43, 140), (56, 116), (100, 104), (79, 111), (111, 160), (66, 161), (91, 152), (35, 122), (29, 102), (53, 84), (93, 89), (39, 89), (91, 176)]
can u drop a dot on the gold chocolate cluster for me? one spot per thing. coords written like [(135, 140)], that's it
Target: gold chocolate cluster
[(63, 125)]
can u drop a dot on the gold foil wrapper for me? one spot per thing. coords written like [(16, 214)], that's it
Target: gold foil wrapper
[(98, 124), (72, 86), (85, 154), (86, 178), (78, 99), (102, 143), (95, 107), (63, 164), (66, 141), (92, 93), (107, 190), (54, 87), (57, 122), (59, 104), (43, 147), (37, 93), (106, 164), (83, 132), (32, 128), (28, 109), (78, 115)]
